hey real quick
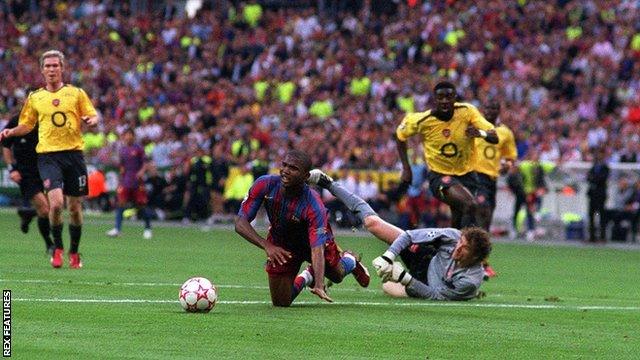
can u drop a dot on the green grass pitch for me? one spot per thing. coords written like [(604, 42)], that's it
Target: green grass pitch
[(548, 302)]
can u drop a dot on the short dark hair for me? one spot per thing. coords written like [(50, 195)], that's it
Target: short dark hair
[(444, 85), (479, 242), (302, 157)]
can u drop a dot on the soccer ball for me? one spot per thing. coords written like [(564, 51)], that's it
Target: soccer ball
[(198, 295)]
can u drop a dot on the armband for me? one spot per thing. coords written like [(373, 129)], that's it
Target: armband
[(483, 134)]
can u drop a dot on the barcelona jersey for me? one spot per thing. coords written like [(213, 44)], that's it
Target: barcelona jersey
[(298, 223)]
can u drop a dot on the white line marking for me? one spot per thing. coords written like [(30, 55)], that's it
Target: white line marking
[(356, 303), (103, 283)]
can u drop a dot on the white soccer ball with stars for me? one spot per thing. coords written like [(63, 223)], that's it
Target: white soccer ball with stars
[(198, 294)]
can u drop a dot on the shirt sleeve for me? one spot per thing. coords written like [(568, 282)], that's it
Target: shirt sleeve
[(428, 235), (409, 125), (318, 222), (253, 200), (477, 120), (461, 289), (509, 149), (28, 115), (85, 105)]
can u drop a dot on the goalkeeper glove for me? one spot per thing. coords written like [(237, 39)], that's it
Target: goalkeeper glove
[(399, 274), (383, 265)]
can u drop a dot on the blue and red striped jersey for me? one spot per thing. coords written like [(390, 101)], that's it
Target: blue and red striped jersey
[(297, 222)]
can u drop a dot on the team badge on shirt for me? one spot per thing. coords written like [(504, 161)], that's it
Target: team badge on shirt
[(46, 183), (446, 133), (55, 102)]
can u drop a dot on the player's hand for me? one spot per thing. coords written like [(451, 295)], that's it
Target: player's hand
[(319, 292), (277, 254), (4, 134), (399, 274), (15, 176), (90, 120), (383, 265), (472, 132)]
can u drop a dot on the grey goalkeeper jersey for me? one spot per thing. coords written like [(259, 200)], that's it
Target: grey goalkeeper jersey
[(446, 281)]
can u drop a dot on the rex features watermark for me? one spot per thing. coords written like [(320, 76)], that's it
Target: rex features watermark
[(6, 323)]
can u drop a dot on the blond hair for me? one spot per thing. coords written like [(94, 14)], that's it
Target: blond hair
[(50, 54)]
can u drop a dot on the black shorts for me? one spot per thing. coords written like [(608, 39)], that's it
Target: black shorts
[(417, 259), (438, 183), (486, 190), (31, 184), (64, 170)]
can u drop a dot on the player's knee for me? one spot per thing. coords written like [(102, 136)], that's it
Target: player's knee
[(371, 222), (55, 207)]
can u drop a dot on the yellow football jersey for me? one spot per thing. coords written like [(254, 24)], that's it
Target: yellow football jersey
[(488, 155), (58, 115), (447, 149)]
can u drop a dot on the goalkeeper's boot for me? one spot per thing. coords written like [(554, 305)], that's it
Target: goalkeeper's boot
[(74, 261), (360, 272), (56, 258), (317, 177)]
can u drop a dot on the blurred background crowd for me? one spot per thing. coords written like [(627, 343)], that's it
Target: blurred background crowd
[(237, 83)]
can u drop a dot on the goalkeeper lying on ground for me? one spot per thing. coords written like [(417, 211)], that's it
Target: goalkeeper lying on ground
[(443, 264)]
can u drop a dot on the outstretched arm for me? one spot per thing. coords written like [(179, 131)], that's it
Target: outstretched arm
[(19, 130), (317, 261)]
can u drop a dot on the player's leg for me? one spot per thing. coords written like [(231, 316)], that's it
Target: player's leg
[(463, 202), (284, 285), (75, 188), (339, 264), (122, 199), (282, 289), (41, 205), (485, 196), (25, 211), (394, 289), (75, 230), (372, 222), (141, 202)]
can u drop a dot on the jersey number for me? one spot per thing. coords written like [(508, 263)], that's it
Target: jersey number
[(82, 181)]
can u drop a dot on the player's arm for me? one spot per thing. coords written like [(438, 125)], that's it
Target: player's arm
[(7, 155), (384, 263), (461, 290), (26, 122), (88, 113), (317, 262), (247, 213), (480, 127), (406, 176), (317, 219), (407, 128), (489, 136), (20, 130)]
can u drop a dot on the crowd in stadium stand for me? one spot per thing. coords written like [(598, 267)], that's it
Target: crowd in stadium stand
[(334, 78)]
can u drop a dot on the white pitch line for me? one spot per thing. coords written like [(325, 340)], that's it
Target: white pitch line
[(159, 284), (356, 303)]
